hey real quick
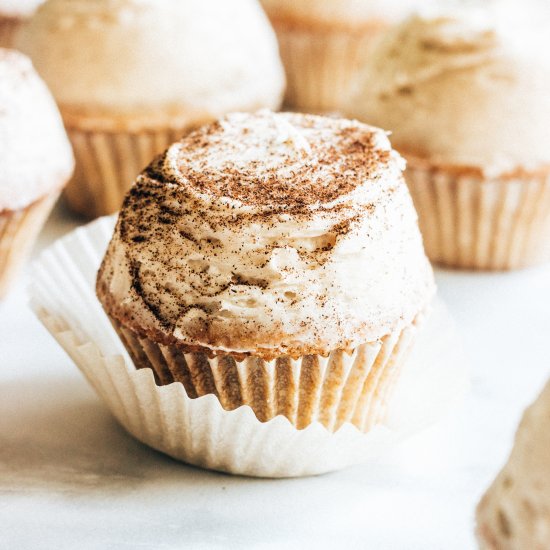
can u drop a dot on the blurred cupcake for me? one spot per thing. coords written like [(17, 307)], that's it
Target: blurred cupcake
[(130, 76), (323, 43), (515, 512), (272, 260), (12, 14), (35, 160), (467, 103)]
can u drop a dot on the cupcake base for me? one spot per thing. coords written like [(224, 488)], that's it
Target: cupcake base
[(342, 387), (472, 222), (107, 163), (198, 430), (320, 63), (8, 29), (18, 232)]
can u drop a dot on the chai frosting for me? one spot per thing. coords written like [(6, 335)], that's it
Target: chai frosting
[(515, 512), (340, 12), (270, 234), (35, 155), (155, 62), (461, 91), (19, 8)]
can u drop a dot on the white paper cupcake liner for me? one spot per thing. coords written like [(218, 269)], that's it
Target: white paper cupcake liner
[(107, 163), (342, 387), (199, 431), (474, 223), (321, 65)]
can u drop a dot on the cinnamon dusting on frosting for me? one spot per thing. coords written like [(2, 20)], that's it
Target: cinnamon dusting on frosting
[(269, 234), (343, 162)]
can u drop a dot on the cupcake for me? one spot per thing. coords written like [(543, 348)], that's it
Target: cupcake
[(323, 43), (515, 512), (12, 14), (467, 103), (272, 260), (35, 160), (131, 76)]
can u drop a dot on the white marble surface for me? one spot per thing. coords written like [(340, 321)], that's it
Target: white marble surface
[(71, 478)]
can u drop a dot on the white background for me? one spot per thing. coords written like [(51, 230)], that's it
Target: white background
[(71, 478)]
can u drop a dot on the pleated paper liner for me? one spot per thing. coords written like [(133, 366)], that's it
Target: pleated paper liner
[(107, 163), (321, 65), (471, 222), (19, 230), (9, 27), (333, 390), (198, 430)]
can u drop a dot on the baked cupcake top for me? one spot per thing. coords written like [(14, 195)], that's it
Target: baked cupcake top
[(351, 13), (19, 8), (35, 155), (515, 513), (154, 63), (271, 234), (461, 91)]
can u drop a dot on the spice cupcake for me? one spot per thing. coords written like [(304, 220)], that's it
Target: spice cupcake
[(323, 43), (131, 76), (35, 160), (515, 512), (272, 260), (467, 103), (13, 13)]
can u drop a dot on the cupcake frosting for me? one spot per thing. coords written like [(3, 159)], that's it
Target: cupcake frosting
[(347, 12), (157, 62), (269, 234), (461, 90), (515, 512), (19, 8), (35, 155)]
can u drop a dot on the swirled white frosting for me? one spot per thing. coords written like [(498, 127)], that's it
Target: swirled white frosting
[(461, 91), (515, 512), (35, 155), (160, 62), (269, 233)]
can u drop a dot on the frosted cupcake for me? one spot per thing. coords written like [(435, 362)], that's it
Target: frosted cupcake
[(13, 13), (323, 43), (515, 512), (35, 160), (468, 105), (131, 76), (272, 260)]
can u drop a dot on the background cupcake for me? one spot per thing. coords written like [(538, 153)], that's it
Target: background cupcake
[(467, 103), (130, 76), (515, 512), (35, 160), (272, 260), (323, 43), (12, 14)]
